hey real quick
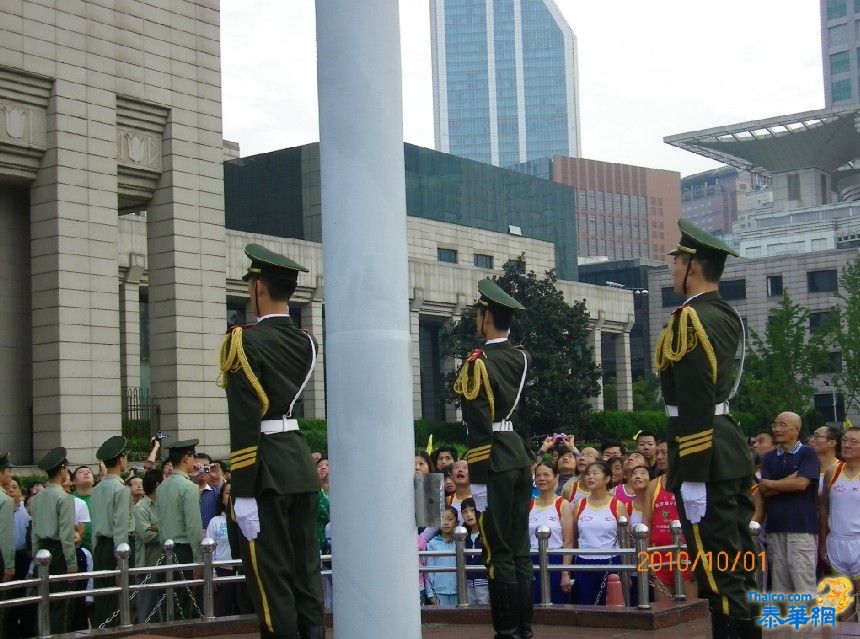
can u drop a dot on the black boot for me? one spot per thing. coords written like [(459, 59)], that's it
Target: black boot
[(526, 608), (265, 633), (749, 629), (505, 609), (311, 632)]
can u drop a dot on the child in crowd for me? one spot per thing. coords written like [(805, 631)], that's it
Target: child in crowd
[(478, 589), (441, 587)]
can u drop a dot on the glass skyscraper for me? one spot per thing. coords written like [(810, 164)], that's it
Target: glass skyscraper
[(504, 80)]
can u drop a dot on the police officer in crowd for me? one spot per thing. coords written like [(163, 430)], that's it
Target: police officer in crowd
[(710, 466), (265, 368), (177, 502), (490, 383), (111, 517), (53, 512)]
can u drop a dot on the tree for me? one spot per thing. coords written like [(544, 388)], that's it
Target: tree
[(563, 373), (781, 366), (845, 335), (646, 393)]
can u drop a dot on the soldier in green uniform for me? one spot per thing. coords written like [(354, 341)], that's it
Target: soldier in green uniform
[(177, 502), (110, 508), (265, 368), (491, 382), (710, 467), (7, 526), (53, 529)]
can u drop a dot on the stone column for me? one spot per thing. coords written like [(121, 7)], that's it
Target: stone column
[(595, 343), (313, 399), (129, 314), (366, 267), (415, 360), (75, 292), (623, 371)]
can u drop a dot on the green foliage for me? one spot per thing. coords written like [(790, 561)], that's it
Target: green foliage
[(780, 367), (621, 425), (138, 432), (26, 481), (563, 374), (316, 434), (845, 336), (646, 393)]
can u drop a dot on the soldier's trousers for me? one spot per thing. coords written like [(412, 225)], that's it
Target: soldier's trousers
[(721, 549), (282, 565), (505, 526), (60, 611), (105, 605)]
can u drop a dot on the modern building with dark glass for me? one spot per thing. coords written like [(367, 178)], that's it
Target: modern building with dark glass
[(505, 80)]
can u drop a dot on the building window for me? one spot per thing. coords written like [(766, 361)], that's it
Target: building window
[(837, 9), (839, 63), (793, 187), (824, 405), (774, 285), (483, 261), (831, 364), (838, 36), (819, 320), (446, 255), (670, 298), (236, 312), (840, 90), (856, 6), (822, 281), (733, 289)]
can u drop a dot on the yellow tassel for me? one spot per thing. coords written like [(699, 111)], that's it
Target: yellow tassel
[(668, 352), (470, 387), (232, 358)]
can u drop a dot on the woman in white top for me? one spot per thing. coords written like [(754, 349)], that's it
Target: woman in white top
[(548, 509), (595, 525), (217, 531)]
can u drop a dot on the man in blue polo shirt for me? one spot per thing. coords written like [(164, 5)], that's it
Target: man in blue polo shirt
[(789, 486)]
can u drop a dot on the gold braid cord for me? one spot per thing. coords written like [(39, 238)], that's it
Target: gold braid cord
[(470, 386), (232, 358), (668, 352)]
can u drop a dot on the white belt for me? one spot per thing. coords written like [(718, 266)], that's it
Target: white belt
[(503, 426), (282, 425), (719, 409)]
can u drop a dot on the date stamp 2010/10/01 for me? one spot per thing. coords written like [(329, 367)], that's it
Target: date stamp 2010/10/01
[(722, 561)]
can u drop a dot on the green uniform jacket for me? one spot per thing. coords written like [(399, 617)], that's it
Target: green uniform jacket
[(110, 506), (177, 502), (703, 447), (280, 356), (499, 451), (7, 525), (53, 512), (147, 550)]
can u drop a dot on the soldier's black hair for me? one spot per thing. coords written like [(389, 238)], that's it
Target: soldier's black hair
[(279, 290), (112, 463), (176, 455), (711, 271), (501, 315)]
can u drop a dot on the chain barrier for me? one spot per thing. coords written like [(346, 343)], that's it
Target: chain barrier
[(107, 621)]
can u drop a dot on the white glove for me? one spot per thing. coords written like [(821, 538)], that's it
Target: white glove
[(694, 494), (247, 516)]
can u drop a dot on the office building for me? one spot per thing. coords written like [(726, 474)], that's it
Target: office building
[(840, 42)]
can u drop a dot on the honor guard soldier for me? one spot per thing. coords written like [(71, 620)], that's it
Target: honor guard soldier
[(53, 512), (177, 501), (710, 467), (490, 383), (264, 369), (111, 515)]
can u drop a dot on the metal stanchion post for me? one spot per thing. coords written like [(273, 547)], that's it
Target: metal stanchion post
[(624, 542), (43, 561), (208, 547), (122, 552), (460, 550), (755, 533), (677, 575), (640, 535), (542, 533), (168, 576)]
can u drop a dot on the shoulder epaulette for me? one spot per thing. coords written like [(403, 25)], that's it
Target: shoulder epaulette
[(673, 345), (475, 354), (232, 358)]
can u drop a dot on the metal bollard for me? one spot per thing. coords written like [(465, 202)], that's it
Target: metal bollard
[(624, 542), (542, 533), (460, 534), (755, 532), (168, 546), (43, 563), (208, 547), (122, 552), (640, 535), (677, 575)]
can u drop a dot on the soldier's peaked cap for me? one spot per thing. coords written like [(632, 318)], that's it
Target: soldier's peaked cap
[(272, 265), (53, 459), (4, 461), (697, 242), (492, 293), (112, 448), (184, 444)]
